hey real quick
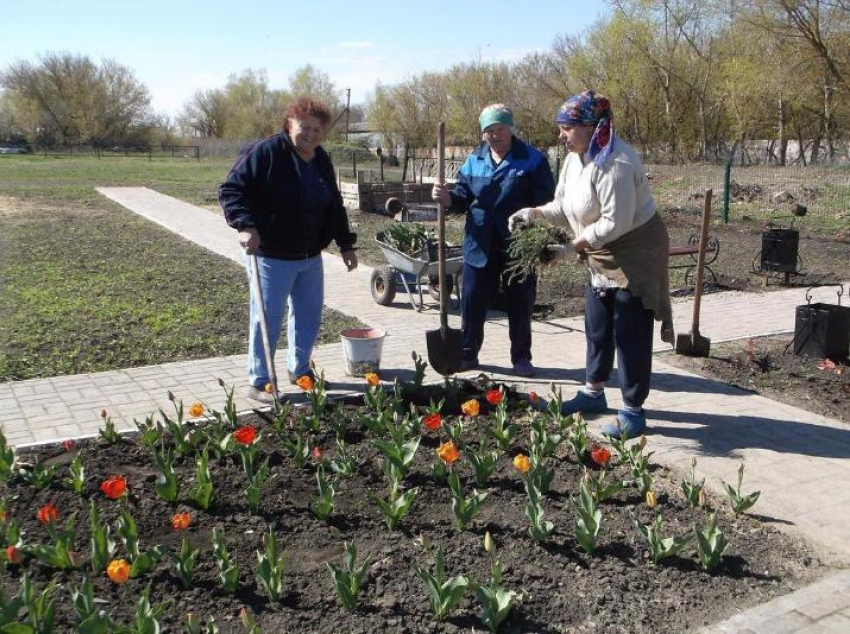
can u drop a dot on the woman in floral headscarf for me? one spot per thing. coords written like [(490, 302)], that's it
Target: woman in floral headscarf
[(603, 195)]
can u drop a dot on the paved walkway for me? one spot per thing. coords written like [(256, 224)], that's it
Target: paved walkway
[(800, 461)]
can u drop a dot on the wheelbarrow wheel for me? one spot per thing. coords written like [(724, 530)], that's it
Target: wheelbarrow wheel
[(434, 286), (383, 285)]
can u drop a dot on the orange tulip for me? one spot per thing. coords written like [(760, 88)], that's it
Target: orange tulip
[(196, 410), (471, 407), (600, 455), (47, 513), (114, 487), (245, 435), (522, 463), (305, 383), (494, 396), (533, 397), (118, 570), (269, 388), (13, 555), (448, 452), (181, 521), (372, 379), (432, 422)]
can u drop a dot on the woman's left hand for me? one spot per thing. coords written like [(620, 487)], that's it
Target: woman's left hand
[(350, 259), (581, 245)]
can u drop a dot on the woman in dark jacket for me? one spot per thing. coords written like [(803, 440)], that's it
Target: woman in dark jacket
[(281, 196)]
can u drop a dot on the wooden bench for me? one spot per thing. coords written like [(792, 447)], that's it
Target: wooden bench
[(690, 253)]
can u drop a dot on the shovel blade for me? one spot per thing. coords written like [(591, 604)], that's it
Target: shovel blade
[(445, 350), (693, 344)]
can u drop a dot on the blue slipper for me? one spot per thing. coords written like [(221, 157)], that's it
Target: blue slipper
[(585, 404), (628, 425)]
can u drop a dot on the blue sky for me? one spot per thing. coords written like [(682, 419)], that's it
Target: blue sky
[(176, 47)]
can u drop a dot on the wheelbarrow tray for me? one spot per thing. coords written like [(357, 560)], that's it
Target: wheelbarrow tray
[(421, 264)]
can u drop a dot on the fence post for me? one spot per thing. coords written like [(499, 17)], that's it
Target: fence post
[(727, 171), (354, 164)]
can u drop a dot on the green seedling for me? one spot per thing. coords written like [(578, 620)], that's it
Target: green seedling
[(464, 508), (101, 544), (483, 460), (39, 476), (202, 490), (588, 520), (108, 433), (324, 506), (7, 458), (349, 581), (228, 572), (443, 593), (661, 547), (394, 510), (540, 529), (91, 618), (692, 489), (184, 562), (167, 486), (740, 502), (77, 481), (711, 543), (497, 602), (270, 566), (343, 464)]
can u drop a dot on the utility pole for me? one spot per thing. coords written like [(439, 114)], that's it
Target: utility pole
[(347, 111)]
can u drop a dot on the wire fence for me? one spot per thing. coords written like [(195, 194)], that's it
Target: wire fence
[(127, 151)]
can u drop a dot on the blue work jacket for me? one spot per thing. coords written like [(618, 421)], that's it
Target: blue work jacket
[(489, 194)]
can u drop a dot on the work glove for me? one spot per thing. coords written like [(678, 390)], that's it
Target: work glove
[(555, 252), (526, 215)]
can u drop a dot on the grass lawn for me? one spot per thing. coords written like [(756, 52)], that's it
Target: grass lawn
[(86, 285)]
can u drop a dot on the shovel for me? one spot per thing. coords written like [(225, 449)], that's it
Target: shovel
[(445, 346), (694, 344), (261, 310)]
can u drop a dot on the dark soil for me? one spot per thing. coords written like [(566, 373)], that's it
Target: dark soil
[(768, 367), (618, 590)]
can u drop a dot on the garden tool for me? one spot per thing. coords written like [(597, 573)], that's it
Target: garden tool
[(445, 345), (261, 311), (694, 344)]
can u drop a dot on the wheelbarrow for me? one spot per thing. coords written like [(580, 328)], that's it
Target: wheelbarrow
[(414, 272)]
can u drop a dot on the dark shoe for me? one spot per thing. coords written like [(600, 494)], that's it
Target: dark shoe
[(524, 368), (628, 425), (584, 403), (261, 396), (468, 364)]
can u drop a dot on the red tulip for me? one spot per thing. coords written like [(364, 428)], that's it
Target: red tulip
[(433, 421), (600, 455), (47, 513), (245, 435), (494, 396), (68, 445), (114, 487), (13, 555)]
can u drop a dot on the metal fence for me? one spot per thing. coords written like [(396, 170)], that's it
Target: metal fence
[(127, 151)]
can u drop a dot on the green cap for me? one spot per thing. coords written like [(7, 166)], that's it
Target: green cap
[(495, 113)]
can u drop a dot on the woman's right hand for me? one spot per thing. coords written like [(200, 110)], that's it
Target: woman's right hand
[(249, 238), (440, 194), (526, 215)]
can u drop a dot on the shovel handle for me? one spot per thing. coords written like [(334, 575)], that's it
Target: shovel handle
[(261, 313), (703, 241), (441, 227)]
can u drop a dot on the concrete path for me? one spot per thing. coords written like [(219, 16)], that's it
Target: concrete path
[(800, 461)]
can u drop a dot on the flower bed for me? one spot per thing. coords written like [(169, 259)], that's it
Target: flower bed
[(333, 518)]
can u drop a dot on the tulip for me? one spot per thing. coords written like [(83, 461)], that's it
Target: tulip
[(305, 383), (316, 453), (196, 410), (533, 397), (703, 500), (68, 445), (522, 463), (181, 521), (103, 413), (114, 487), (47, 513), (4, 517), (494, 396), (13, 555), (600, 455), (432, 422), (372, 379), (488, 542), (471, 407), (642, 441), (651, 501), (245, 435), (118, 570), (268, 388), (448, 452)]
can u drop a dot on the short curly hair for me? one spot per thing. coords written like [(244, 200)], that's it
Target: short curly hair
[(306, 106)]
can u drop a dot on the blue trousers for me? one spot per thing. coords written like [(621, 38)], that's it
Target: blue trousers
[(299, 286), (479, 287), (614, 319)]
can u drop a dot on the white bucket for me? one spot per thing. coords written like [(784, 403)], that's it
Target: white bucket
[(362, 348)]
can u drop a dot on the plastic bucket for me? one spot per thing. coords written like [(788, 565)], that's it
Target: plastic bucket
[(362, 348)]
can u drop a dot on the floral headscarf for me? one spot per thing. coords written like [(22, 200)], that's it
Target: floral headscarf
[(588, 108)]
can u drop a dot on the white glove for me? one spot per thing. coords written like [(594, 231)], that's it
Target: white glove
[(526, 215), (555, 252)]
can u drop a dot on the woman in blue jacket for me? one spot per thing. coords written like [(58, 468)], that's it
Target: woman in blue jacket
[(500, 177), (281, 196)]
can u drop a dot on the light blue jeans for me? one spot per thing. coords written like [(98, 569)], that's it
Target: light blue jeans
[(298, 285)]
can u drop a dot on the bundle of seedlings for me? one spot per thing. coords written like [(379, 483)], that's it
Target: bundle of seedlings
[(529, 248), (409, 238)]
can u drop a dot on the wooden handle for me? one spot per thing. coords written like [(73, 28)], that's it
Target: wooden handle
[(441, 227), (703, 241)]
